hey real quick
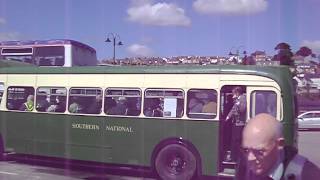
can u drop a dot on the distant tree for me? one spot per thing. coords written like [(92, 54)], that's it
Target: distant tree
[(284, 54), (304, 51), (248, 60)]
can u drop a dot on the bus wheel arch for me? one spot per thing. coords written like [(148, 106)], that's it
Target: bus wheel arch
[(176, 158)]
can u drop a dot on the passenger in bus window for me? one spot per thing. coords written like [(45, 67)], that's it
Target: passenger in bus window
[(74, 107), (57, 104), (133, 106), (95, 107), (237, 116), (29, 104), (195, 105), (60, 104), (148, 107), (210, 103), (154, 107), (158, 111), (120, 108), (43, 102)]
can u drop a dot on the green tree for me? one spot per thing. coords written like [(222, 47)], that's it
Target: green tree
[(304, 51), (284, 54)]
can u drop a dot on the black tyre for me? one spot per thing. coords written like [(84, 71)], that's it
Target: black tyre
[(175, 162)]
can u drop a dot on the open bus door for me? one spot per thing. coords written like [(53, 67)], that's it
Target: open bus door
[(259, 99)]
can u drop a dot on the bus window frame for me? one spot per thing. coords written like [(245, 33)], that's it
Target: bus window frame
[(52, 87), (201, 115), (81, 95), (183, 97), (25, 99), (122, 89), (251, 89)]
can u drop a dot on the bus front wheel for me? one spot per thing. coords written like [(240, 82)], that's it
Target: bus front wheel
[(175, 162)]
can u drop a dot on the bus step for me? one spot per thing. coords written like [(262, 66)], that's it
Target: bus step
[(227, 172), (9, 154), (229, 162)]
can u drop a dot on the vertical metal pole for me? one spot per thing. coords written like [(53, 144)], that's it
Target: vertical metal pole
[(114, 50)]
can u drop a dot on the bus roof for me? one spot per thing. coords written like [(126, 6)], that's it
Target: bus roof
[(45, 43)]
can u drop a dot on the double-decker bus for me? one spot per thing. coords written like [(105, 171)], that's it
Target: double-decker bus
[(55, 52), (139, 117)]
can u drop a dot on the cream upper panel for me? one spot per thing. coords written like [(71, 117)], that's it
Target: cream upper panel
[(52, 80), (165, 80), (124, 80), (21, 80), (139, 80), (3, 78), (85, 80)]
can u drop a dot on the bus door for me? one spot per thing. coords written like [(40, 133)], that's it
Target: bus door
[(233, 111)]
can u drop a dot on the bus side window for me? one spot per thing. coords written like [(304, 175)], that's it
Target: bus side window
[(1, 90), (163, 103), (51, 99), (20, 98), (85, 100), (123, 101), (202, 103), (263, 102)]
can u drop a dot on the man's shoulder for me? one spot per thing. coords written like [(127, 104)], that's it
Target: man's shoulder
[(310, 171), (302, 167)]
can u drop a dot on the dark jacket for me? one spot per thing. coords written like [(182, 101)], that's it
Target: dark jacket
[(309, 170)]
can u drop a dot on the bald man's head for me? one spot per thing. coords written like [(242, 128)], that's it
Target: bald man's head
[(263, 126), (262, 142)]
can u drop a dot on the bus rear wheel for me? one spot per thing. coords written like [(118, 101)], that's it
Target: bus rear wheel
[(175, 162)]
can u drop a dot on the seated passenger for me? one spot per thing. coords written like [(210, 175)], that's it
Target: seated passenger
[(74, 107), (158, 111), (120, 108), (28, 105), (58, 105), (195, 106), (42, 103), (133, 106), (95, 107), (209, 103), (209, 106)]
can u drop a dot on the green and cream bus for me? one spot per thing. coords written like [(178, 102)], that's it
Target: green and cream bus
[(140, 117)]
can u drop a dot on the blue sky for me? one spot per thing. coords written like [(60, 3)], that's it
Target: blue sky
[(168, 27)]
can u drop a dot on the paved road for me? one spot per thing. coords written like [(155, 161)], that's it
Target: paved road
[(309, 146), (12, 170)]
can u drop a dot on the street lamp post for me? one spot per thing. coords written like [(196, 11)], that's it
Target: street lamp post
[(115, 39)]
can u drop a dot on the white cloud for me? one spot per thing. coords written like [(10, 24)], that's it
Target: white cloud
[(230, 7), (2, 21), (313, 45), (159, 14), (9, 36), (139, 50)]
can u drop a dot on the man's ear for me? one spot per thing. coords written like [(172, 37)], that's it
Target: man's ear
[(281, 143)]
